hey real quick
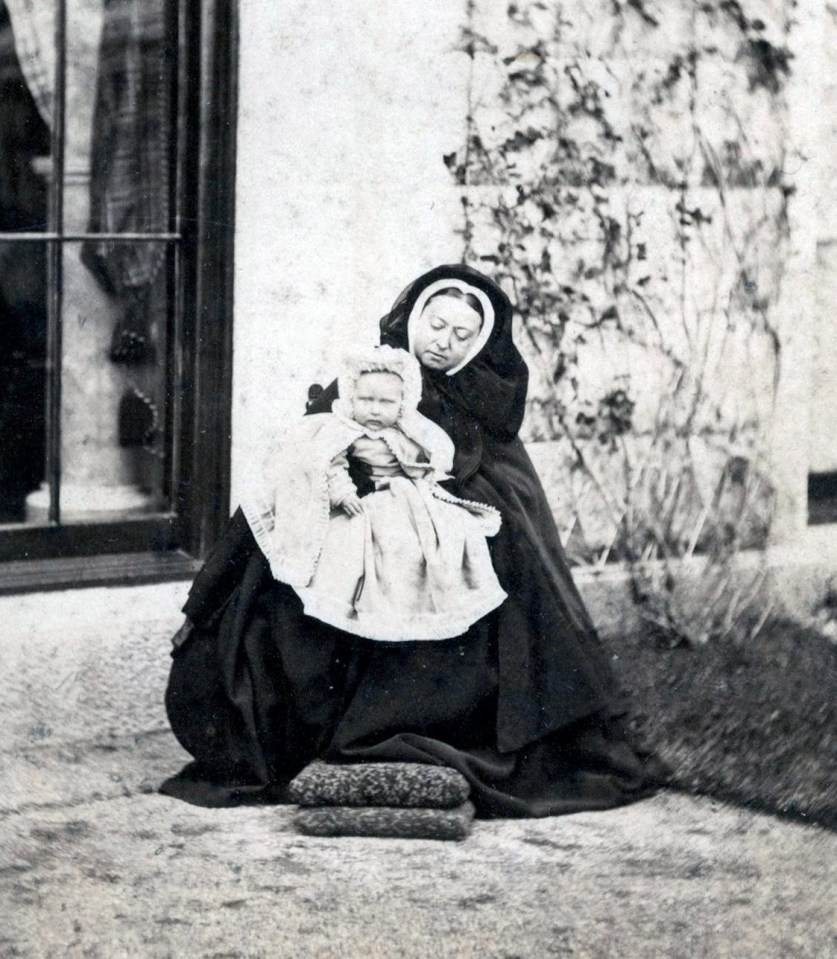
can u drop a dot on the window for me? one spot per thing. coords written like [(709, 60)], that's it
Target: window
[(116, 212)]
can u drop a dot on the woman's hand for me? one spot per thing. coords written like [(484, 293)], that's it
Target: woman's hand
[(351, 505)]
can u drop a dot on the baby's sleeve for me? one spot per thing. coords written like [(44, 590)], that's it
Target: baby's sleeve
[(415, 461), (340, 484)]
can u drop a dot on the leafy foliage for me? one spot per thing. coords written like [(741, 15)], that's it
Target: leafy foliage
[(634, 208)]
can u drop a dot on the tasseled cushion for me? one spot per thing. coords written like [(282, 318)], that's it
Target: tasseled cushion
[(379, 784), (386, 822)]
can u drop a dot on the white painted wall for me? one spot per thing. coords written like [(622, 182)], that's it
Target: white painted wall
[(822, 446), (822, 433), (346, 110)]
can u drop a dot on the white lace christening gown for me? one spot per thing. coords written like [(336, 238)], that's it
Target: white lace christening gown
[(414, 566)]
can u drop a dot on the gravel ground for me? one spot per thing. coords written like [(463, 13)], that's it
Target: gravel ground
[(93, 864)]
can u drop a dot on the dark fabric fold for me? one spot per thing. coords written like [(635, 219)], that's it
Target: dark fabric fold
[(258, 690)]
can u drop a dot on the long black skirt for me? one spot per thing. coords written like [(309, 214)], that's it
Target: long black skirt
[(258, 690)]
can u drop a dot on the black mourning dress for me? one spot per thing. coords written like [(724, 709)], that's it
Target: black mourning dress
[(523, 704)]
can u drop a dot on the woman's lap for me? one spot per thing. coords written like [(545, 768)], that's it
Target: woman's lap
[(262, 690)]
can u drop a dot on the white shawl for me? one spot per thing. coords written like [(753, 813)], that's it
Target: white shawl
[(288, 509)]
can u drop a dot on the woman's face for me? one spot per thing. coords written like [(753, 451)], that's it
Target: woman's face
[(445, 332), (377, 400)]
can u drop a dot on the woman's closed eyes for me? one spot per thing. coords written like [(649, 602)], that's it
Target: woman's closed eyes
[(444, 332), (462, 333)]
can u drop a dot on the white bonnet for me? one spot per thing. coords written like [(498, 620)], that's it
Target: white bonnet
[(379, 359)]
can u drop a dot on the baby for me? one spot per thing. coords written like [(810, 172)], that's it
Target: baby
[(376, 405), (353, 517)]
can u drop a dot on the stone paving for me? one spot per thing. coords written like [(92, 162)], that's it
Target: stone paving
[(93, 864)]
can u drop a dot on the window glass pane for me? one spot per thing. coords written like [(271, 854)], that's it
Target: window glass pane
[(24, 114), (24, 172), (119, 141), (23, 325), (114, 415), (88, 326), (26, 66)]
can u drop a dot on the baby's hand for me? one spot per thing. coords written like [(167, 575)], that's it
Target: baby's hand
[(351, 505)]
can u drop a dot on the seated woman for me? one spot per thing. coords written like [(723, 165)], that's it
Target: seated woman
[(522, 703)]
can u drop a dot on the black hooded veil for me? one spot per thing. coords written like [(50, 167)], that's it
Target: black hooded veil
[(523, 704)]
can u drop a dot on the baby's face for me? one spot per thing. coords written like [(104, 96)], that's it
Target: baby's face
[(377, 400)]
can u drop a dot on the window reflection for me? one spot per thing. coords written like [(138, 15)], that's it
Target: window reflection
[(113, 405), (24, 166), (85, 323)]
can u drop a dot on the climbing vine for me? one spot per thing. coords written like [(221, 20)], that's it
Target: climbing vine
[(633, 205)]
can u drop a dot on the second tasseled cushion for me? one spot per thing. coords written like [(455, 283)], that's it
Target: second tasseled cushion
[(386, 822)]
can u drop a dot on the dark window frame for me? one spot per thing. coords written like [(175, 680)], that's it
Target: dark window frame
[(170, 546), (822, 498)]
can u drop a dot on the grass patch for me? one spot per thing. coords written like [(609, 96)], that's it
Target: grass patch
[(753, 723)]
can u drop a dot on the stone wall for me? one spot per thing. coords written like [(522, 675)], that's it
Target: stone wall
[(645, 177), (695, 130), (822, 112)]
